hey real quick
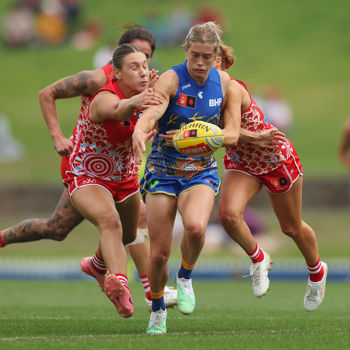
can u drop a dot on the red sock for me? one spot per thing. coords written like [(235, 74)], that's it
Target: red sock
[(99, 264), (257, 255), (2, 244), (146, 287), (316, 271), (123, 279)]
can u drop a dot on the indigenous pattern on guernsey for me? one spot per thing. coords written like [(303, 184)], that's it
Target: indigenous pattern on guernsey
[(192, 102), (257, 160), (104, 150)]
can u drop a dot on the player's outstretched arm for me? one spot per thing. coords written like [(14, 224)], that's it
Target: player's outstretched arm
[(83, 83), (166, 88), (107, 105)]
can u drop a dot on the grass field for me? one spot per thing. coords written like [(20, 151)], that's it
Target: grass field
[(76, 315)]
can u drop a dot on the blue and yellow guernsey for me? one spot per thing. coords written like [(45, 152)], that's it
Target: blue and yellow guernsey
[(192, 102)]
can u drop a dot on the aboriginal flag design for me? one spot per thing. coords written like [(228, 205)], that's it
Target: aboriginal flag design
[(186, 101)]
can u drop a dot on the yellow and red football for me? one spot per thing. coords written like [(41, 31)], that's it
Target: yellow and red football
[(198, 139)]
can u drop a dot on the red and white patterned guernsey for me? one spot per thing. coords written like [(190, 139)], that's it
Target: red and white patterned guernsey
[(257, 160), (104, 150)]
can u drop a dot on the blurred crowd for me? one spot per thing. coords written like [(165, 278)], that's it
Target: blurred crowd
[(171, 29), (47, 22)]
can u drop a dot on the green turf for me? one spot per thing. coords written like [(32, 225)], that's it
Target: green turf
[(76, 315), (301, 45)]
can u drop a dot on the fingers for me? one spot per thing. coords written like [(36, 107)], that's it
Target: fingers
[(150, 135), (139, 149)]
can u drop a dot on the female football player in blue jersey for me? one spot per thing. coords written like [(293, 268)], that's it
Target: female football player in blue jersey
[(172, 181)]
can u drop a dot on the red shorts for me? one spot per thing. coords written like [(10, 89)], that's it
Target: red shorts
[(64, 166), (281, 179), (120, 190)]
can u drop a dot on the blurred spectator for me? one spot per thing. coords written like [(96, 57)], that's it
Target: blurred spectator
[(50, 24), (87, 37), (10, 149), (208, 12), (47, 22), (170, 29), (178, 24), (155, 23), (275, 108), (18, 25)]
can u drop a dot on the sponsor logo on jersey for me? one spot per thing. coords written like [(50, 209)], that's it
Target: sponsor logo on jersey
[(186, 101), (214, 102), (186, 86)]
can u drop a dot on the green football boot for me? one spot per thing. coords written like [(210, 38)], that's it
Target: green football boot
[(186, 300), (157, 322)]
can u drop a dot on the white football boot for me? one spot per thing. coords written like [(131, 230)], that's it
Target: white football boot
[(315, 291), (259, 275)]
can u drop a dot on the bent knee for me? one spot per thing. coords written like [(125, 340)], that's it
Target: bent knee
[(195, 232), (160, 258), (230, 218), (58, 230), (291, 230), (109, 221)]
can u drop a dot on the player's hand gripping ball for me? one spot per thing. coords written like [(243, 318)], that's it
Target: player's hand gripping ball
[(198, 139)]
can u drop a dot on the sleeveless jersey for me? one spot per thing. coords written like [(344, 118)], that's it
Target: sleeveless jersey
[(104, 150), (192, 102), (86, 99), (258, 160)]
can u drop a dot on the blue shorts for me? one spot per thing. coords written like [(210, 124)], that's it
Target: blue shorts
[(174, 186)]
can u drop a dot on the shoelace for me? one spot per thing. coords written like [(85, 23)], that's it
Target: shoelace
[(257, 273), (313, 293), (157, 318), (186, 286)]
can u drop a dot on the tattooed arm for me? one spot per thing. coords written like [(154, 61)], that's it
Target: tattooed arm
[(83, 83)]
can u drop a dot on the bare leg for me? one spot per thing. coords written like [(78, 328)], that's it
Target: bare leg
[(236, 192), (161, 211), (140, 252), (56, 227), (287, 207), (195, 207), (140, 255), (97, 205)]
